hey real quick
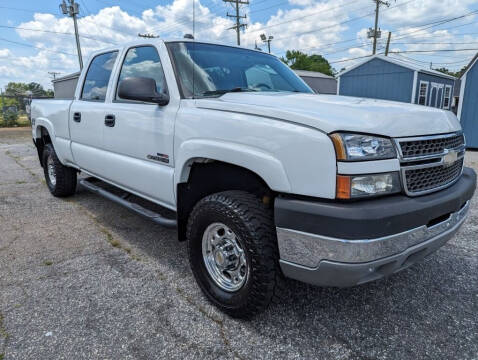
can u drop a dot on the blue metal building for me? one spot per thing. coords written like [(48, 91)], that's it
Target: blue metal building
[(383, 77), (468, 106)]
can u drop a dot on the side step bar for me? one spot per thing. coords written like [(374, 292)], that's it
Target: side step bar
[(157, 218)]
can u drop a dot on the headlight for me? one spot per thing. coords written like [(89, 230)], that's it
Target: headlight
[(358, 186), (357, 147)]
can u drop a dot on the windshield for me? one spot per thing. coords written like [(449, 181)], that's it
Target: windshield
[(206, 70)]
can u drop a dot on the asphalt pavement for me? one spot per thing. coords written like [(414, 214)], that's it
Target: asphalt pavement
[(83, 278)]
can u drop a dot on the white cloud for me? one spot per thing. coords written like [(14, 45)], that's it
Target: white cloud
[(423, 11), (4, 53), (310, 26)]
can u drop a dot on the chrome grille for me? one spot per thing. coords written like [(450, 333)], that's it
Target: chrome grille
[(430, 163), (423, 179), (432, 146)]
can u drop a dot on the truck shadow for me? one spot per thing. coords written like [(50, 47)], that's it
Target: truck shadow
[(409, 315)]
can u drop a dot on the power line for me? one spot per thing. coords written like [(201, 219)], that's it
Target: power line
[(302, 17), (427, 25), (25, 10), (36, 47), (55, 32), (345, 60), (431, 51), (341, 23)]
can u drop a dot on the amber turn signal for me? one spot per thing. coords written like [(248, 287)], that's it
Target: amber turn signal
[(339, 146), (343, 187)]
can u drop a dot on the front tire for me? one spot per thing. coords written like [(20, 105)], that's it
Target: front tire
[(233, 252), (60, 179)]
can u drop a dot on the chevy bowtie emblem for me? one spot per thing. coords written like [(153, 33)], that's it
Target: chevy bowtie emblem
[(450, 158)]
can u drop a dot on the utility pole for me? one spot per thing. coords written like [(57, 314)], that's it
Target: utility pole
[(267, 40), (72, 10), (54, 74), (236, 4), (3, 105), (375, 33), (388, 43), (148, 36)]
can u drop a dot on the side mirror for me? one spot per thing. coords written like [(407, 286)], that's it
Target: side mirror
[(141, 89)]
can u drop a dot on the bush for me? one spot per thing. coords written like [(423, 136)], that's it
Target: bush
[(10, 118)]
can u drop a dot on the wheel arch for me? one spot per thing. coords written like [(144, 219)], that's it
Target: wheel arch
[(42, 137), (207, 176)]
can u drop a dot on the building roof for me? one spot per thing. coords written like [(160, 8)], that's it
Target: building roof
[(314, 74), (470, 65), (67, 77), (400, 63)]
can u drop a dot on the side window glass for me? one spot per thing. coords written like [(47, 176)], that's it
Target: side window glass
[(98, 76), (143, 61)]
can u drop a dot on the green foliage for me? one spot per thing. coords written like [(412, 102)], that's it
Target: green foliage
[(22, 89), (10, 118), (455, 74), (298, 60)]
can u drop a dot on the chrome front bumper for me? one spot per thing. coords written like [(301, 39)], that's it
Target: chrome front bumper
[(327, 261)]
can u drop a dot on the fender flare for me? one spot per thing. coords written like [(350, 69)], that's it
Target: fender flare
[(43, 122), (262, 163)]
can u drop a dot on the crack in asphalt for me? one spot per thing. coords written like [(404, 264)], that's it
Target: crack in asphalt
[(17, 160)]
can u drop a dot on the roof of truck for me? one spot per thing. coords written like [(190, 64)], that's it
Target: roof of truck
[(144, 41)]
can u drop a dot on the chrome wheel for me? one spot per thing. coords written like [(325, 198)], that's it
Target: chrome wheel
[(224, 257), (51, 170)]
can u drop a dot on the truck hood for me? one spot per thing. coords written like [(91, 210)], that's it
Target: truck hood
[(329, 113)]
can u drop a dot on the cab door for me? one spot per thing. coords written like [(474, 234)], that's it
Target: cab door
[(138, 136), (87, 114)]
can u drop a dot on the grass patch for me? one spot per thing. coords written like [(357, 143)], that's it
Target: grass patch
[(3, 331), (115, 243)]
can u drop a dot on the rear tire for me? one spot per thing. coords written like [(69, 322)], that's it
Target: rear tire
[(60, 179), (247, 221)]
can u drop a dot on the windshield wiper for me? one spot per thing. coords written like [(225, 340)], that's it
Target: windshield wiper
[(225, 91)]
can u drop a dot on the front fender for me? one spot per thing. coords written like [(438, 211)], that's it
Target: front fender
[(264, 164)]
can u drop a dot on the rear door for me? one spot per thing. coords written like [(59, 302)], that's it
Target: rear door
[(87, 114), (138, 136)]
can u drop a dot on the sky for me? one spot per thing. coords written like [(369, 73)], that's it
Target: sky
[(36, 38)]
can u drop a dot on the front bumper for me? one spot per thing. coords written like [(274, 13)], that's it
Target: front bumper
[(346, 244)]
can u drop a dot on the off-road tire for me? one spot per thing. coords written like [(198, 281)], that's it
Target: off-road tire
[(65, 176), (253, 223)]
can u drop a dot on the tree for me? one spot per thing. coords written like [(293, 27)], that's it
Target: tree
[(298, 60), (23, 89), (445, 71), (457, 74)]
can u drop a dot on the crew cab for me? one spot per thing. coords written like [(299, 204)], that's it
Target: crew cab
[(266, 178)]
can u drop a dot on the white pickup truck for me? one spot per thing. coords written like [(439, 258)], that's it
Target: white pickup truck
[(266, 178)]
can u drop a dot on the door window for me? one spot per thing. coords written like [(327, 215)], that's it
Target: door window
[(423, 93), (98, 76), (446, 104), (143, 61)]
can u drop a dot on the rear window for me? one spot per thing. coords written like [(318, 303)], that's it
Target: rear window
[(98, 76)]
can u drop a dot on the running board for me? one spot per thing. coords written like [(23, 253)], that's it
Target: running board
[(155, 217)]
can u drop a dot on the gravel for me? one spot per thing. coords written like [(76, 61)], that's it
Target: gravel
[(84, 278)]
